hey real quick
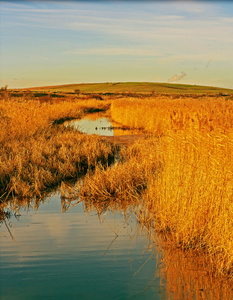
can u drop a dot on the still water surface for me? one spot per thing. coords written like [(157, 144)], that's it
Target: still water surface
[(93, 124), (65, 250), (99, 124), (76, 255)]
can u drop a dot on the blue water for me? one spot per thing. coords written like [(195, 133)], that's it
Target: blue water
[(76, 255)]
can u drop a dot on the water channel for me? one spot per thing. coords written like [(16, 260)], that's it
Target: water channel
[(60, 249), (98, 123), (93, 124), (57, 250), (73, 254)]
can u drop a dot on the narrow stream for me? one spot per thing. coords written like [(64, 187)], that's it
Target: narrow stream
[(60, 249)]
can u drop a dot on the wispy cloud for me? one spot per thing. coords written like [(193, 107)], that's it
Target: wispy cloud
[(191, 7), (177, 77), (146, 25), (163, 36)]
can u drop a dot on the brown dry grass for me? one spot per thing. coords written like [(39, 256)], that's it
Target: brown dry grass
[(22, 118), (182, 174), (161, 116), (35, 154), (187, 171), (126, 179)]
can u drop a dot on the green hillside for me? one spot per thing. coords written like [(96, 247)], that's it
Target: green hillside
[(135, 87)]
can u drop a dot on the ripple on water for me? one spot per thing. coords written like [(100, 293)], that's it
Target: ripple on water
[(74, 255)]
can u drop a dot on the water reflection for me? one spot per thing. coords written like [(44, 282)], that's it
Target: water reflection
[(101, 126), (62, 248), (188, 275), (97, 123), (74, 255)]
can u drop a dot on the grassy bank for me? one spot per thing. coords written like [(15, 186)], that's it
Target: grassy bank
[(127, 179), (36, 154), (187, 173)]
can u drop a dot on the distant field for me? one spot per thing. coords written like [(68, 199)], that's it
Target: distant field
[(134, 87)]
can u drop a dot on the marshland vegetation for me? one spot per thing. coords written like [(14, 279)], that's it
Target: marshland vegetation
[(37, 152), (180, 176), (183, 172)]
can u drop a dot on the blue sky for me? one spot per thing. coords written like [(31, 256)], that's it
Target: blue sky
[(59, 42)]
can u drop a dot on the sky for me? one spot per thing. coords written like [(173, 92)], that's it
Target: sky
[(62, 42)]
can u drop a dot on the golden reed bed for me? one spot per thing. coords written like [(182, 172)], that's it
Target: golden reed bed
[(183, 173), (36, 154)]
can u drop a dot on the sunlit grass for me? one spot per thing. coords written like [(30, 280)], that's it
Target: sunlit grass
[(22, 118), (35, 154), (181, 177), (188, 192), (162, 115), (136, 87), (127, 179)]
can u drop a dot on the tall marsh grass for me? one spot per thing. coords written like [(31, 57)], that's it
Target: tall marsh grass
[(191, 199), (35, 154), (125, 180), (188, 196), (22, 118), (160, 116)]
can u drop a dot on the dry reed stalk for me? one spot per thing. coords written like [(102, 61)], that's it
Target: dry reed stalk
[(190, 199), (36, 155), (23, 118), (162, 115), (42, 162), (126, 179)]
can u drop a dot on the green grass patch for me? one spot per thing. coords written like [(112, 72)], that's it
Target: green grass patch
[(137, 87)]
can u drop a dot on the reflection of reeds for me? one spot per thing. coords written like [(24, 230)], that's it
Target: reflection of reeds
[(14, 205), (94, 116), (191, 198), (186, 173), (182, 178), (191, 275)]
